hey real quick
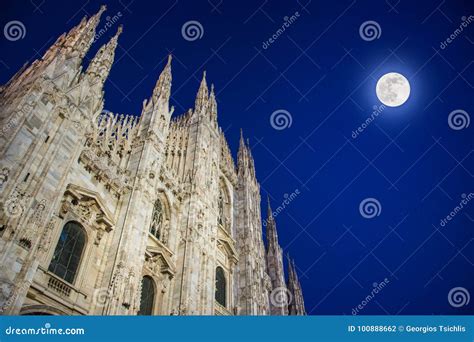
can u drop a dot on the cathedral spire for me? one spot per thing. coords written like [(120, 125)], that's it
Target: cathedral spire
[(290, 269), (202, 95), (62, 60), (242, 154), (241, 141), (156, 111), (293, 266), (274, 257), (296, 306), (99, 67), (212, 104), (269, 209), (245, 163), (292, 276), (81, 37), (163, 85), (272, 235)]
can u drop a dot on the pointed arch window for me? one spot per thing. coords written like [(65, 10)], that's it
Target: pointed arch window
[(147, 300), (221, 287), (156, 227), (68, 252)]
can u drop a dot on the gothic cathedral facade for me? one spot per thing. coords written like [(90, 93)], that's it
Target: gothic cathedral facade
[(111, 214)]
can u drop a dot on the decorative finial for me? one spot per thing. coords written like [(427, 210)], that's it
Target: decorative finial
[(269, 209), (102, 9)]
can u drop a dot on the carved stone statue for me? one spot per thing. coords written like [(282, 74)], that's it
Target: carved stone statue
[(221, 209), (156, 227)]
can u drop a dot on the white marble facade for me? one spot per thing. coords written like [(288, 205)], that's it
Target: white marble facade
[(115, 214)]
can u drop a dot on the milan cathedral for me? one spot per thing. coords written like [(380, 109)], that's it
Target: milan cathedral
[(118, 214)]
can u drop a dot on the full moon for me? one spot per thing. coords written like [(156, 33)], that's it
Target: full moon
[(393, 89)]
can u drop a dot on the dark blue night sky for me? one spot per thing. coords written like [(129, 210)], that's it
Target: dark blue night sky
[(415, 162)]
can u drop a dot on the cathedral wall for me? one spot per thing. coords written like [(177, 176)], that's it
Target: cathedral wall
[(82, 296)]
